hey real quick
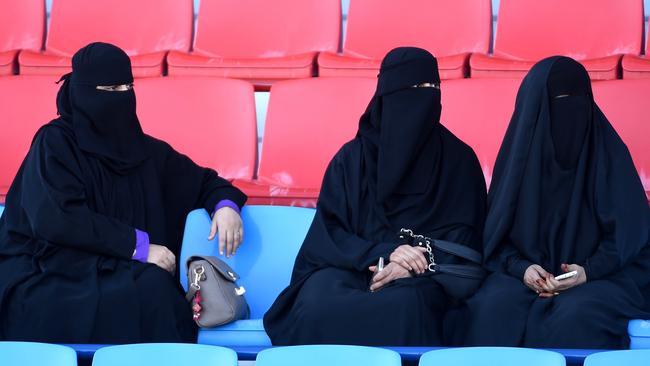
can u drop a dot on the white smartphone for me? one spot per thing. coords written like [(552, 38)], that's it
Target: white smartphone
[(566, 275)]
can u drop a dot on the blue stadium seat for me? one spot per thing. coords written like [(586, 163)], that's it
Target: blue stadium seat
[(272, 237), (639, 331), (488, 356), (36, 354), (327, 355), (2, 208), (164, 354), (638, 357)]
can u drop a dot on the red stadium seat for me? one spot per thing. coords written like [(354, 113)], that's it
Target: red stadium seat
[(260, 40), (211, 120), (594, 32), (624, 104), (22, 27), (637, 66), (450, 29), (478, 112), (307, 122), (145, 29), (27, 103)]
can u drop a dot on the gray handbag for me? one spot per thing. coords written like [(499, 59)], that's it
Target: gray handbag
[(212, 286)]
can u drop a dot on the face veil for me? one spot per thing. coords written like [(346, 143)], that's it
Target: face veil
[(105, 122)]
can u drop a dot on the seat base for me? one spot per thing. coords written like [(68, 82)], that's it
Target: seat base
[(635, 67), (343, 65), (261, 72), (249, 332), (261, 193), (484, 66), (8, 63), (44, 63)]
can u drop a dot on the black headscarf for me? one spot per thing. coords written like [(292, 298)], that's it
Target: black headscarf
[(564, 188), (400, 131), (104, 122)]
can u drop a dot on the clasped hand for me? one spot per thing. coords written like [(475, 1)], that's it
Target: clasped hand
[(545, 284), (404, 262)]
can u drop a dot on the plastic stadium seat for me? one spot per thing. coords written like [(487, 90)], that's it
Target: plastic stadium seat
[(272, 237), (22, 27), (636, 66), (639, 331), (145, 29), (26, 103), (260, 40), (478, 112), (488, 356), (164, 354), (326, 355), (627, 358), (594, 32), (450, 29), (307, 122), (212, 120), (36, 354), (624, 104)]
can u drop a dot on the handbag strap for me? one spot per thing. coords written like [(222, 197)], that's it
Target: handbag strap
[(458, 250), (460, 270)]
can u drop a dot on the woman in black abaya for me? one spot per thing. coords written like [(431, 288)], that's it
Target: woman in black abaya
[(565, 197), (403, 170), (77, 256)]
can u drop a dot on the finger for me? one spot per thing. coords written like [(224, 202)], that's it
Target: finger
[(413, 261), (222, 240), (545, 286), (402, 261), (213, 230), (372, 268), (418, 257), (546, 294), (422, 249), (230, 240), (236, 242), (379, 276), (378, 285), (541, 271)]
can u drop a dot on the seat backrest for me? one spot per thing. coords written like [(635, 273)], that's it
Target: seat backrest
[(26, 103), (478, 112), (582, 29), (488, 356), (164, 354), (444, 27), (211, 120), (138, 27), (22, 24), (307, 123), (624, 104), (326, 355), (262, 28), (635, 357), (36, 354), (272, 237)]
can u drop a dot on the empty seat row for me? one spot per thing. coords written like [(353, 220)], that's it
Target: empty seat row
[(213, 121), (168, 354), (263, 41)]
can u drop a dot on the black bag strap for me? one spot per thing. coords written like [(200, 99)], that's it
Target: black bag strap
[(458, 250)]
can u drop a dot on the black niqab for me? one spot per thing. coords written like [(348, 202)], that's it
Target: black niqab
[(104, 122), (564, 188)]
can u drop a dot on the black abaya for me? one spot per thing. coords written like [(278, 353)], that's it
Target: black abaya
[(403, 170), (564, 191), (67, 237)]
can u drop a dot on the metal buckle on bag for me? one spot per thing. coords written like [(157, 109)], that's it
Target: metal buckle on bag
[(232, 275), (198, 272), (239, 291)]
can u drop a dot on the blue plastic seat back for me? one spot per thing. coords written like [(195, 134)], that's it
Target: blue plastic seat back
[(634, 357), (2, 209), (36, 354), (272, 237), (327, 355), (164, 354), (490, 356)]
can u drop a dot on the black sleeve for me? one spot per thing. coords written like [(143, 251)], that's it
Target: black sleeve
[(55, 201), (184, 176), (331, 240)]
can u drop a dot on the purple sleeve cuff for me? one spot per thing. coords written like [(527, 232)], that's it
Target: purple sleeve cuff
[(227, 203), (141, 246)]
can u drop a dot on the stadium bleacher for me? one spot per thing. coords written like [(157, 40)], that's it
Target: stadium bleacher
[(202, 112)]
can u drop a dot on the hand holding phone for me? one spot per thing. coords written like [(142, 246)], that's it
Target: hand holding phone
[(566, 275)]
